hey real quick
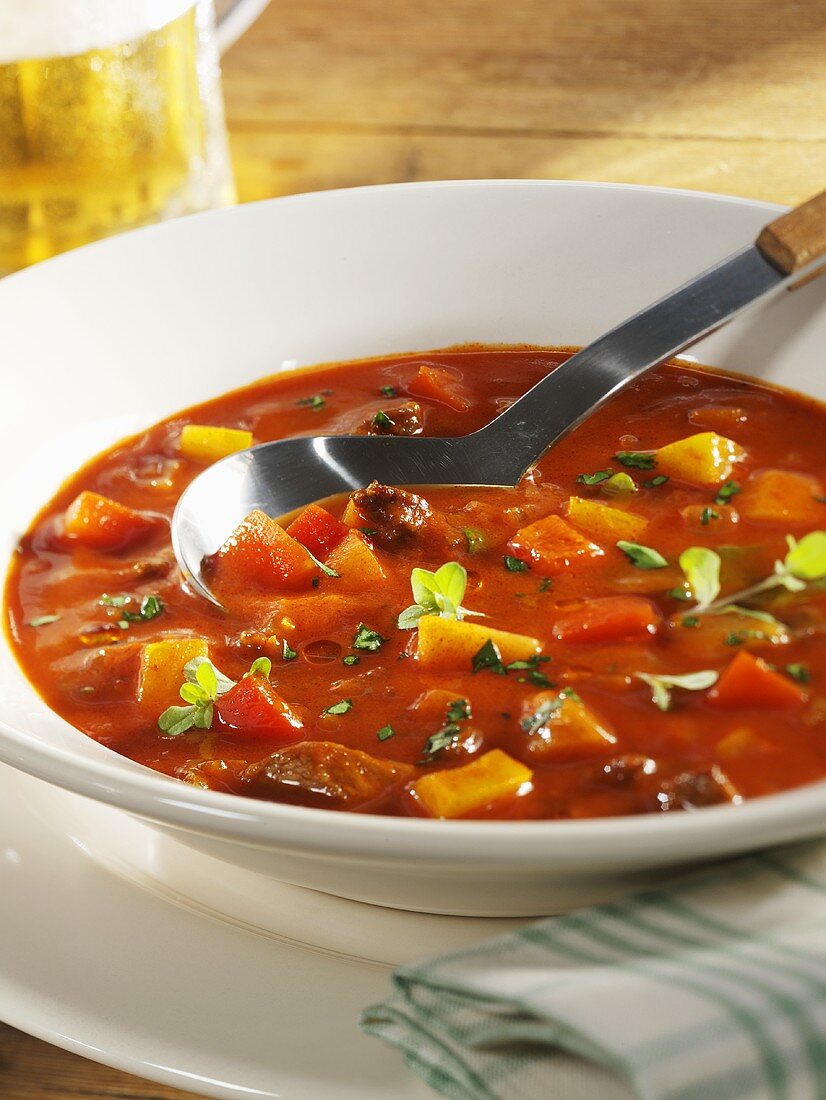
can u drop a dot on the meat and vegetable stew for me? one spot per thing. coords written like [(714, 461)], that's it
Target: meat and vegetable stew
[(637, 627)]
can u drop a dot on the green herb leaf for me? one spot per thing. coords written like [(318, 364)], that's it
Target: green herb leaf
[(367, 639), (385, 733), (690, 621), (702, 571), (114, 601), (488, 657), (458, 710), (325, 569), (191, 675), (382, 420), (351, 659), (595, 478), (150, 608), (806, 559), (514, 565), (475, 539), (707, 515), (177, 720), (532, 723), (261, 666), (43, 620), (618, 485), (389, 391), (287, 652), (660, 479), (637, 460), (662, 683), (726, 491), (440, 593), (681, 594), (799, 672), (341, 707), (750, 613), (315, 402), (545, 584), (643, 557)]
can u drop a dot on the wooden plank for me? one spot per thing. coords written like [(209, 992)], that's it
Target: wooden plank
[(743, 69), (280, 162)]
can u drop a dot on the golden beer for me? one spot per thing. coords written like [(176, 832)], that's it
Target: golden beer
[(107, 139)]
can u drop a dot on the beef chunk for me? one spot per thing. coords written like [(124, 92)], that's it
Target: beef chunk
[(325, 775), (406, 419), (394, 516), (694, 789)]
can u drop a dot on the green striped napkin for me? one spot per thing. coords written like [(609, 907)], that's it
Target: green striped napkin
[(714, 988)]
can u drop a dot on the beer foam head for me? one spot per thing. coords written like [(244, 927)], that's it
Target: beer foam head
[(62, 28)]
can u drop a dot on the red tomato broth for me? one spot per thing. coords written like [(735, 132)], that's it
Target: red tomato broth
[(86, 667)]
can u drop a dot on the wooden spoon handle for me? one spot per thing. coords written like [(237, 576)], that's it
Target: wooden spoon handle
[(795, 239)]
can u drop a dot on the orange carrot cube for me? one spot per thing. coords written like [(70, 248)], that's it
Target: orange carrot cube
[(260, 552), (781, 497), (439, 385), (609, 619), (750, 682), (103, 524), (255, 709), (318, 530), (550, 545)]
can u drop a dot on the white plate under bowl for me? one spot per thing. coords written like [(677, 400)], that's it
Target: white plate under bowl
[(108, 339)]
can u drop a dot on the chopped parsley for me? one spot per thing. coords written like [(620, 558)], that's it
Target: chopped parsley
[(488, 657), (545, 584), (389, 391), (707, 515), (325, 569), (643, 557), (385, 733), (367, 639), (382, 420), (532, 723), (287, 652), (691, 621), (514, 565), (341, 707), (351, 659), (595, 478), (475, 539), (726, 491), (637, 460), (43, 620), (531, 667), (149, 608), (680, 593), (798, 672), (458, 711), (660, 479), (315, 402)]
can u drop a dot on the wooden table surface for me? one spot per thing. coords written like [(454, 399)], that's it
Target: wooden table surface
[(681, 93)]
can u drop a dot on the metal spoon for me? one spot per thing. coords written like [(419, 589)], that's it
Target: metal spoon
[(281, 476)]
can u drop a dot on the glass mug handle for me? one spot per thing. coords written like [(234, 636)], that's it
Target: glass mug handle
[(232, 17)]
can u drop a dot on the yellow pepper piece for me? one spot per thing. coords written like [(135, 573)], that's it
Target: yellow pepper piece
[(204, 443), (459, 791), (704, 460), (602, 522), (162, 671), (448, 643)]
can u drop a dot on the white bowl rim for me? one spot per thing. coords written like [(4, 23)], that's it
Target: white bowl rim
[(165, 800)]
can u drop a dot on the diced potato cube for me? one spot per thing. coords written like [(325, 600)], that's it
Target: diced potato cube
[(460, 791), (351, 517), (742, 742), (562, 726), (102, 524), (259, 551), (550, 545), (162, 671), (705, 459), (205, 443), (783, 498), (356, 563), (450, 644), (604, 523)]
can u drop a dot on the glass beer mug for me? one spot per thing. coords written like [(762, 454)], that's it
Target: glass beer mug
[(111, 117)]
